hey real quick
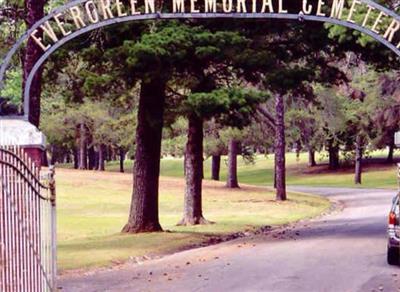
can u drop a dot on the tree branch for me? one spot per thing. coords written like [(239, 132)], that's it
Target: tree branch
[(268, 117)]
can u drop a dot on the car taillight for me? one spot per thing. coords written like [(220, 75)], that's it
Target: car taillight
[(392, 218)]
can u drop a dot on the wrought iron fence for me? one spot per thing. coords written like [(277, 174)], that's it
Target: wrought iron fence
[(27, 224)]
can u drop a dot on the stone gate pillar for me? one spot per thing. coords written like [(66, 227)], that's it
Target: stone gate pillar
[(22, 133)]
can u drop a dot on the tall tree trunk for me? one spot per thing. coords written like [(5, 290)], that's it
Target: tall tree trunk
[(35, 11), (143, 215), (358, 162), (202, 167), (96, 158), (184, 162), (68, 158), (298, 150), (107, 153), (389, 158), (311, 157), (102, 158), (233, 151), (280, 147), (76, 158), (113, 154), (91, 158), (215, 167), (45, 160), (82, 147), (193, 213), (194, 163), (110, 154), (333, 156), (53, 151), (121, 160)]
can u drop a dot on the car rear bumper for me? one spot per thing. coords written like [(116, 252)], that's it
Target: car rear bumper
[(393, 239), (394, 242)]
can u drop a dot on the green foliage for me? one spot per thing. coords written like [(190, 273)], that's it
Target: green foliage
[(214, 146), (174, 138), (230, 106), (12, 90), (366, 47), (343, 34), (286, 79), (174, 147)]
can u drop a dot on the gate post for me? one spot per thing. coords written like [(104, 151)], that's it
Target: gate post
[(52, 189), (18, 132)]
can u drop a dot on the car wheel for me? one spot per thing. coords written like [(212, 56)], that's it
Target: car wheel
[(393, 256)]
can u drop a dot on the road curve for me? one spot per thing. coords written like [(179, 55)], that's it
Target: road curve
[(342, 251)]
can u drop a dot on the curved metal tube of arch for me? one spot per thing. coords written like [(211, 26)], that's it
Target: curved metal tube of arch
[(62, 8)]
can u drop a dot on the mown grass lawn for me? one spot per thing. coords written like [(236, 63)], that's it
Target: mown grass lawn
[(376, 175), (93, 207)]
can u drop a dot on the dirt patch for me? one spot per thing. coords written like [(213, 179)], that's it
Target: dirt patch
[(126, 179)]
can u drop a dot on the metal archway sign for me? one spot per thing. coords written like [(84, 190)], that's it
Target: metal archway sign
[(377, 21)]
